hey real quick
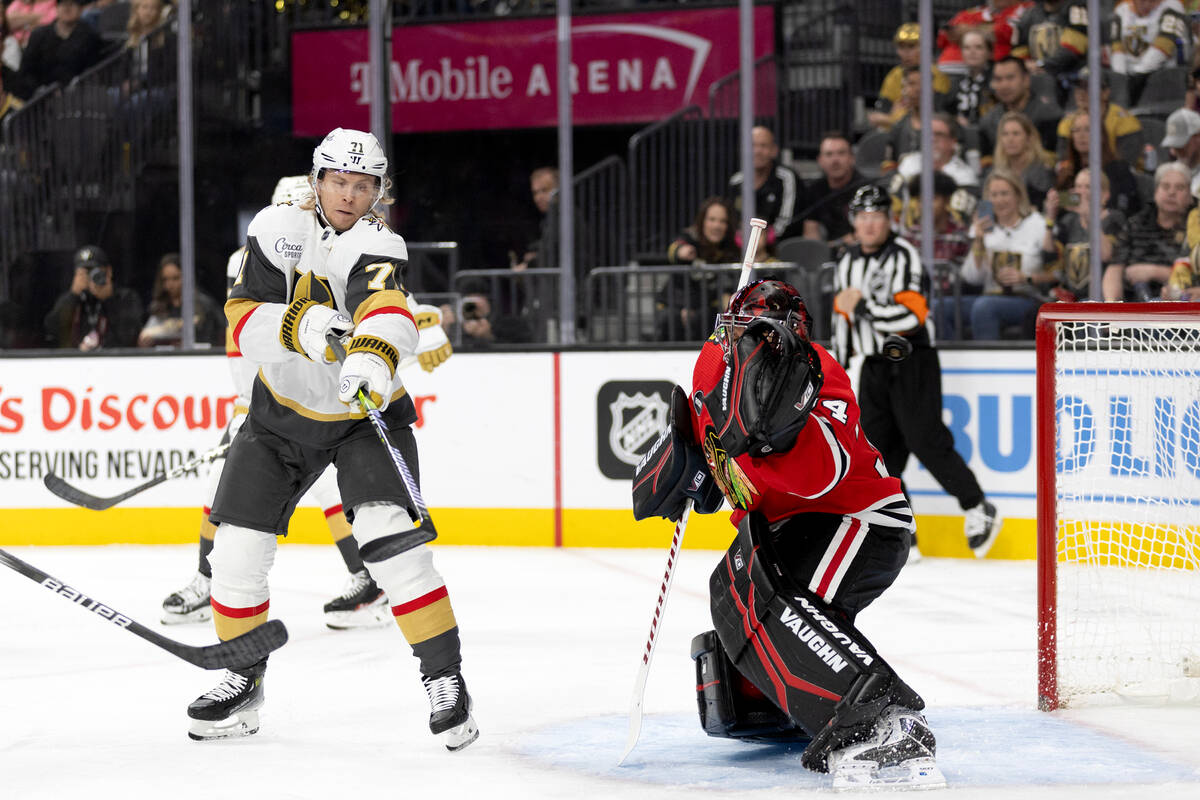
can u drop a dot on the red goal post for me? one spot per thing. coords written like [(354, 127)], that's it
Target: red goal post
[(1118, 502)]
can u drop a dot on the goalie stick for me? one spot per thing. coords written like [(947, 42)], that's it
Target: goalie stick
[(247, 649), (639, 686), (79, 497)]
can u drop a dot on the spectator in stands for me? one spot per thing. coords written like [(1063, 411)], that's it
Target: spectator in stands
[(543, 185), (1153, 240), (1006, 258), (24, 16), (687, 302), (144, 17), (995, 18), (776, 187), (165, 325), (1150, 35), (58, 52), (905, 134), (1182, 139), (945, 154), (826, 214), (10, 47), (950, 243), (481, 328), (94, 312), (1010, 84), (1124, 130), (1068, 241), (1052, 36), (971, 96), (1125, 195), (888, 107), (1019, 151)]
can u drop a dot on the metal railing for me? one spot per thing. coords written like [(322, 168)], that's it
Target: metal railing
[(78, 148)]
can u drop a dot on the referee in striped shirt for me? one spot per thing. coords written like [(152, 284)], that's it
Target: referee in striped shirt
[(879, 314)]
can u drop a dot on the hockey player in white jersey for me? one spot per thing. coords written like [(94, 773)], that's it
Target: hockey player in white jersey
[(312, 270), (362, 603)]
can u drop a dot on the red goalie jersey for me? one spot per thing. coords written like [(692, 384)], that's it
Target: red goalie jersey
[(832, 468)]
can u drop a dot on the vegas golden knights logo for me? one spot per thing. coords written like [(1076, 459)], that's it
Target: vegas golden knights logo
[(313, 287), (1002, 259), (1043, 40), (1135, 41), (1077, 266)]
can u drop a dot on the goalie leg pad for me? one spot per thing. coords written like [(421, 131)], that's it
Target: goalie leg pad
[(807, 659), (732, 707)]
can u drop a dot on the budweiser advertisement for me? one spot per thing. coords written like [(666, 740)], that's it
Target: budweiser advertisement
[(625, 68)]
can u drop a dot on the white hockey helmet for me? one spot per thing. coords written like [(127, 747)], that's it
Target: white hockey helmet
[(349, 150), (291, 189)]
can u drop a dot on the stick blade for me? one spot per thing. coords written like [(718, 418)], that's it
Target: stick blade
[(635, 730), (245, 650), (66, 491)]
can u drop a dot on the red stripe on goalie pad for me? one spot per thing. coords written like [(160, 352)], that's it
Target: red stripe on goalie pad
[(239, 613), (420, 602)]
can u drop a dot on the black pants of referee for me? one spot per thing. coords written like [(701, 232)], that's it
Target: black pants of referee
[(901, 407)]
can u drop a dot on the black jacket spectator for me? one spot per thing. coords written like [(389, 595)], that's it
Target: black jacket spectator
[(58, 52), (94, 312)]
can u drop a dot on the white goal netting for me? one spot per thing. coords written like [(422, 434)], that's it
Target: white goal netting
[(1127, 511)]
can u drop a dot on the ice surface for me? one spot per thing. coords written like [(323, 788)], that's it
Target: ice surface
[(552, 640)]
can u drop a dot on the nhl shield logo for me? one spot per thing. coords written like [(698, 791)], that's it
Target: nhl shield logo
[(630, 416)]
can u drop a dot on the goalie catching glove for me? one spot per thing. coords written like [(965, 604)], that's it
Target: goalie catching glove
[(370, 365), (305, 326), (433, 346), (674, 470)]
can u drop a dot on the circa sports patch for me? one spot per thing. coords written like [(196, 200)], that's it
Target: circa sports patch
[(629, 417)]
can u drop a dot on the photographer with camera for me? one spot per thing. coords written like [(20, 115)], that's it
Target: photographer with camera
[(879, 321), (480, 326), (94, 312)]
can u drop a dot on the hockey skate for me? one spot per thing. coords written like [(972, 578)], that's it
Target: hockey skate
[(450, 711), (981, 526), (898, 754), (192, 603), (361, 605), (230, 709)]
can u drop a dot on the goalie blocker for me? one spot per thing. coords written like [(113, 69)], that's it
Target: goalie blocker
[(674, 470)]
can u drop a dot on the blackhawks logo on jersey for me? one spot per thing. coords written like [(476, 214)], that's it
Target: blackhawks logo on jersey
[(736, 487)]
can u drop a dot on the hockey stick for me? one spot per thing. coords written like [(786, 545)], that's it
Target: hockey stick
[(247, 649), (639, 686), (79, 497), (423, 520)]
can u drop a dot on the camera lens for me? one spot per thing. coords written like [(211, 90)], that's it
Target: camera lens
[(98, 276), (470, 307)]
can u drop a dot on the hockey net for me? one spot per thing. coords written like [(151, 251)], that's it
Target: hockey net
[(1118, 503)]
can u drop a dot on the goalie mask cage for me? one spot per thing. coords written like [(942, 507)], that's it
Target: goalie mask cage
[(1118, 503)]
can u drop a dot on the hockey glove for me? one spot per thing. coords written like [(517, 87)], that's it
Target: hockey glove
[(369, 372), (304, 328), (433, 347), (674, 470)]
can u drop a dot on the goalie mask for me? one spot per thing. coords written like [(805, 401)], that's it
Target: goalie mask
[(772, 372), (762, 298)]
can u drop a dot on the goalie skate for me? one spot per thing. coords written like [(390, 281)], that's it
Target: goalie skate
[(450, 711), (230, 709), (192, 603), (898, 755), (361, 605)]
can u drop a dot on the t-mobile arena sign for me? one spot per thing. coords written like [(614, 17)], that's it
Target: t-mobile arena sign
[(626, 68)]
